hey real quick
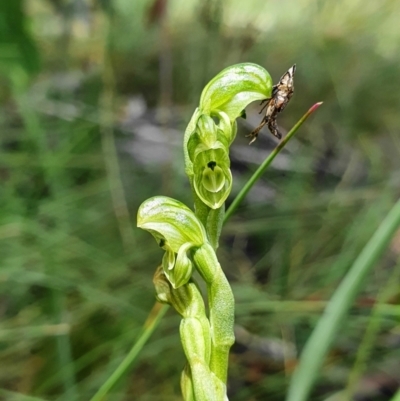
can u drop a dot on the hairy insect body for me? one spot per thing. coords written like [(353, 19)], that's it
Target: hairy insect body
[(281, 94)]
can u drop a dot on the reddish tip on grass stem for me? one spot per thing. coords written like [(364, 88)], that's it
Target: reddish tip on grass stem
[(313, 108)]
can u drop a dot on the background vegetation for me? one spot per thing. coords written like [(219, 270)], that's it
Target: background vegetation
[(95, 96)]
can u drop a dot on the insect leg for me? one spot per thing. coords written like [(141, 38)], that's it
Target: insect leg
[(254, 134)]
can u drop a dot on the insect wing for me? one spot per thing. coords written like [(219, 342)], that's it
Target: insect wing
[(287, 77)]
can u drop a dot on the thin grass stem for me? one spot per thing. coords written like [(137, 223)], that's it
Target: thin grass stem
[(331, 321), (267, 162), (152, 322)]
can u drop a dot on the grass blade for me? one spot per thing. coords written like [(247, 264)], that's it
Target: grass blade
[(152, 322), (13, 396), (330, 322)]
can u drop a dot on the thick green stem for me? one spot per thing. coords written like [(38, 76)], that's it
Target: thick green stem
[(222, 309), (214, 225)]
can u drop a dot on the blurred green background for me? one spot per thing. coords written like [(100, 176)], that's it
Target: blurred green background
[(94, 100)]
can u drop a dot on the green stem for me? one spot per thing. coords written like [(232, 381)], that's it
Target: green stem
[(260, 171), (222, 308), (212, 219), (214, 225), (133, 353)]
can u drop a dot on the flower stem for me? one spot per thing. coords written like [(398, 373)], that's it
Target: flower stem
[(222, 309), (221, 351)]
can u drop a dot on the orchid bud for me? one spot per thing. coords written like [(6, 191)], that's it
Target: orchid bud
[(196, 344), (187, 300), (187, 384), (162, 286)]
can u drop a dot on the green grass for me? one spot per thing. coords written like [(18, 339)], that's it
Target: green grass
[(76, 276)]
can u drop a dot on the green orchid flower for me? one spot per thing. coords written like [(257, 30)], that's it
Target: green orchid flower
[(176, 230), (212, 175)]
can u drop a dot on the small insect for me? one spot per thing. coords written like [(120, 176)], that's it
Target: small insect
[(281, 94)]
